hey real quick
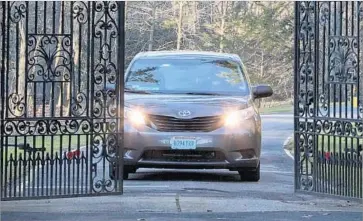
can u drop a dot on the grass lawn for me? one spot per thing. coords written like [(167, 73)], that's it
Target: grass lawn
[(339, 174), (283, 108), (58, 143), (332, 144)]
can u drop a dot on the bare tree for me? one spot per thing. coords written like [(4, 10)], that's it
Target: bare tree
[(180, 25)]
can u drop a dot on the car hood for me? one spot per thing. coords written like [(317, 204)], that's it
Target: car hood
[(197, 106)]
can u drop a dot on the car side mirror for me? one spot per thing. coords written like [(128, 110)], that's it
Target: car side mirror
[(262, 91), (110, 87)]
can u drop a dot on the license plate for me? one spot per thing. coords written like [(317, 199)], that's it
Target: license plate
[(183, 143)]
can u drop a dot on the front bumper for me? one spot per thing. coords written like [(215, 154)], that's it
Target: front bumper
[(222, 148)]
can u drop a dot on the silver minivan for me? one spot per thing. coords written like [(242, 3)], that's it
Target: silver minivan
[(195, 110)]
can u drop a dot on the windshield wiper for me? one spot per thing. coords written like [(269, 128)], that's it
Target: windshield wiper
[(136, 91)]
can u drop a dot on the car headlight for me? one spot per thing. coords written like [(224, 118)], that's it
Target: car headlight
[(234, 118), (135, 116)]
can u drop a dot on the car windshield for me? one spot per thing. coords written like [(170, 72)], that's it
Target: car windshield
[(187, 75)]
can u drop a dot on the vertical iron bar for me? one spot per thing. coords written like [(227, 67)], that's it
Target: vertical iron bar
[(359, 90), (26, 61), (11, 160), (34, 83), (316, 93), (61, 84), (82, 172), (65, 162), (325, 170), (69, 162), (120, 92), (3, 85), (47, 174), (296, 95), (346, 85), (323, 165), (79, 56), (38, 162), (320, 151), (73, 161), (359, 36), (60, 165), (20, 169), (360, 183), (45, 100), (338, 140), (33, 159), (334, 85), (92, 98), (29, 163), (54, 18), (26, 85), (15, 158), (352, 35), (72, 75), (71, 88), (52, 112), (77, 161), (307, 102), (104, 125), (7, 90), (79, 92), (45, 18), (17, 51), (55, 164), (89, 72)]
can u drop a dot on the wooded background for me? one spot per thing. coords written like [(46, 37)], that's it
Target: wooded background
[(260, 32)]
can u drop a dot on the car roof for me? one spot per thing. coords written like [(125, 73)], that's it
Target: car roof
[(171, 54)]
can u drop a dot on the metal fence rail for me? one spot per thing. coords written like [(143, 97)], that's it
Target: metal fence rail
[(328, 97)]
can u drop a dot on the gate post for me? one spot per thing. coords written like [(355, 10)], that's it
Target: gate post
[(120, 91), (304, 105)]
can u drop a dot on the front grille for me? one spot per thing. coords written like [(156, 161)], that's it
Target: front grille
[(183, 156), (198, 124)]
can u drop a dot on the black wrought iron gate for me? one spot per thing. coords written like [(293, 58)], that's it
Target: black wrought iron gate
[(329, 97), (60, 125)]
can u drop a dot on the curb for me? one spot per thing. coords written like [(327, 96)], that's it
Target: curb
[(288, 152)]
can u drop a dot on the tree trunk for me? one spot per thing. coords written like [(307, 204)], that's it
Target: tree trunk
[(262, 65), (22, 67), (180, 23), (57, 90), (73, 86), (152, 28), (222, 25), (195, 17)]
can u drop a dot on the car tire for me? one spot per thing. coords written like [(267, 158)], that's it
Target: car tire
[(250, 175), (126, 172)]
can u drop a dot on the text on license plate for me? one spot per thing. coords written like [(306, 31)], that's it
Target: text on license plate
[(182, 143)]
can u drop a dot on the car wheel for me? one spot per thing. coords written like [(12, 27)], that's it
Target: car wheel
[(126, 172), (250, 175)]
